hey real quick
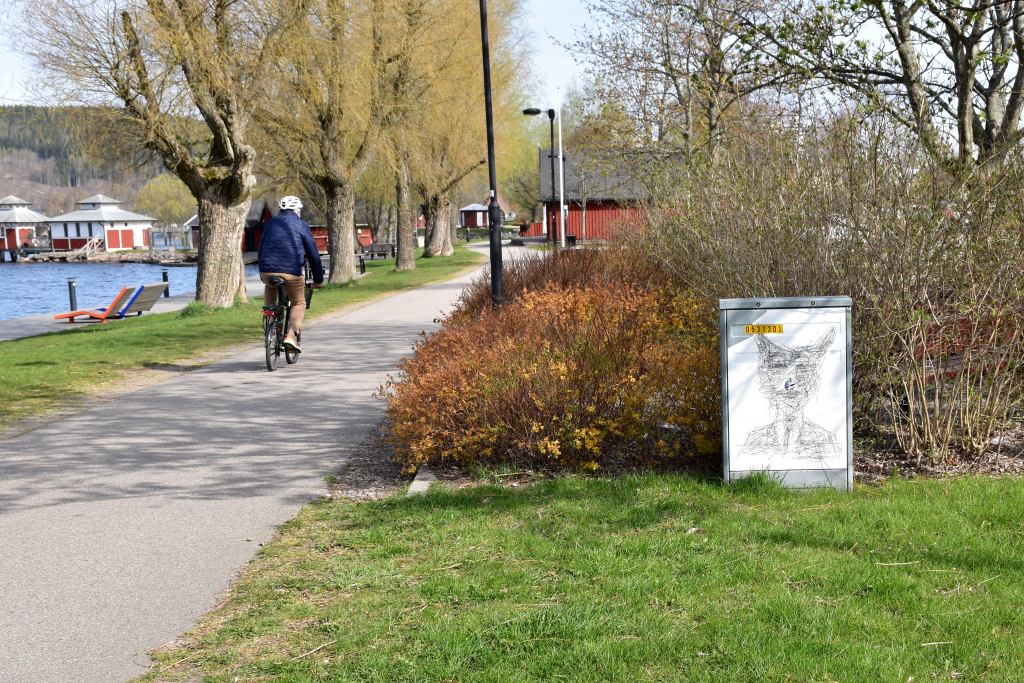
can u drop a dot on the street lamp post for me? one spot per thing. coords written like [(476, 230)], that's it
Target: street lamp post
[(551, 157), (493, 210)]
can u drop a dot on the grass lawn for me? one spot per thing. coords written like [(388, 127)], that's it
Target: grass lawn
[(645, 578), (48, 371)]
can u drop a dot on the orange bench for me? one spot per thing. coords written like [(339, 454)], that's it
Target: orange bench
[(100, 314)]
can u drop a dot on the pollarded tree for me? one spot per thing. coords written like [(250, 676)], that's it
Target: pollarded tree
[(446, 149), (443, 137), (329, 104), (181, 79), (411, 75)]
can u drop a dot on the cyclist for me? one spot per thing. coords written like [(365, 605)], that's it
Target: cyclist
[(287, 241)]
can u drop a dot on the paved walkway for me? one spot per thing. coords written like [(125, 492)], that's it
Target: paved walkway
[(120, 525)]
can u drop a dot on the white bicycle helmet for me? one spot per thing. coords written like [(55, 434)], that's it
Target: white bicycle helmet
[(289, 203)]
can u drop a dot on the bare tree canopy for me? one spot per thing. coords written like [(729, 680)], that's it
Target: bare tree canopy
[(951, 72), (182, 79), (670, 74)]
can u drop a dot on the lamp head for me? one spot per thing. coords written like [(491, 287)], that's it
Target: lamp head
[(551, 114), (531, 111)]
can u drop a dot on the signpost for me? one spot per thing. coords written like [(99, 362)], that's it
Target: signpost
[(787, 394)]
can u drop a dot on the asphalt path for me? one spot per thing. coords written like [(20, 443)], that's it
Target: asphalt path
[(120, 526)]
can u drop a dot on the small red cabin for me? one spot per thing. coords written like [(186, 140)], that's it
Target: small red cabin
[(598, 200), (473, 216)]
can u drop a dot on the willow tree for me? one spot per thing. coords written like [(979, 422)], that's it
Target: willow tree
[(440, 138), (181, 79), (335, 93), (412, 74)]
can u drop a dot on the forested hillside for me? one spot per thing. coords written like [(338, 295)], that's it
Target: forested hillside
[(42, 161), (45, 132)]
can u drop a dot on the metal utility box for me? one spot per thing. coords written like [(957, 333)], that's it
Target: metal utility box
[(787, 389)]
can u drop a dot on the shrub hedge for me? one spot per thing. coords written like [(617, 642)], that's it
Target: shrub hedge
[(588, 362)]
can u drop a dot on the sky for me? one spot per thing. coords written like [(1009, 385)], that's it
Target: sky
[(553, 20), (550, 20)]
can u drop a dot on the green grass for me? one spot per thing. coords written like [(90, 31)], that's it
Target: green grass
[(601, 580), (40, 373)]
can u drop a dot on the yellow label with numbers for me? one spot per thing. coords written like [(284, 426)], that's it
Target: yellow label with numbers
[(762, 329)]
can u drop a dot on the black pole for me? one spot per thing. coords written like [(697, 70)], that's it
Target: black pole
[(493, 210), (167, 292), (71, 294), (551, 156)]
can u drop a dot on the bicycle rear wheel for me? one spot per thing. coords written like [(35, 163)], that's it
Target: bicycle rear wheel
[(293, 356), (273, 349)]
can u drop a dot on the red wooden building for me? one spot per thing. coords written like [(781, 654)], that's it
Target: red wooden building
[(599, 200)]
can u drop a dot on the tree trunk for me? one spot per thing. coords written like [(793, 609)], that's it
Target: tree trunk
[(220, 235), (406, 259), (379, 224), (453, 229), (340, 205), (583, 210), (439, 233), (241, 290), (347, 228)]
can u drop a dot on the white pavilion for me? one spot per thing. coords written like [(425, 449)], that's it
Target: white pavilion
[(19, 223), (100, 218)]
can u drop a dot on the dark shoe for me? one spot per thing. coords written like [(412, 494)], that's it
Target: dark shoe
[(291, 344)]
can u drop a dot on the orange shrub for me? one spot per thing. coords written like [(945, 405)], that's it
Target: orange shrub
[(564, 269), (564, 378)]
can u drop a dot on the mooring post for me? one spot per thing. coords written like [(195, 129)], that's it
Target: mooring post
[(167, 292), (71, 294)]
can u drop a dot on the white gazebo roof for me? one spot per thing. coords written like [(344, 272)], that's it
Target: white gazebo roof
[(14, 211), (474, 207), (98, 199), (100, 209), (21, 215), (11, 201)]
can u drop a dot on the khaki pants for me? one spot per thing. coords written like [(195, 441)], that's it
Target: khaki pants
[(295, 289)]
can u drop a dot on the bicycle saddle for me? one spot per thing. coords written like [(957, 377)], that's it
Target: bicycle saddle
[(275, 280)]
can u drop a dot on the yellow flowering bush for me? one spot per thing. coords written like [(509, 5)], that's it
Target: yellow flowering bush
[(564, 377)]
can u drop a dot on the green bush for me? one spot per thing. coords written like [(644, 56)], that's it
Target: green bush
[(194, 309)]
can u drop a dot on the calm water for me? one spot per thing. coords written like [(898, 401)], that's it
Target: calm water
[(34, 288)]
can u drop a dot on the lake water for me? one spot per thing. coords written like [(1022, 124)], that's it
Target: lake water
[(28, 288)]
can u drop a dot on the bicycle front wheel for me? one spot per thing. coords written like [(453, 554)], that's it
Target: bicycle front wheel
[(272, 347)]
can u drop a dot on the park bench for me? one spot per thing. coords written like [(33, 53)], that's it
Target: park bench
[(942, 347), (382, 249), (101, 314), (143, 299)]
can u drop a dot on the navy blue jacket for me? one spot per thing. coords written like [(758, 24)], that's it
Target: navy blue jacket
[(286, 237)]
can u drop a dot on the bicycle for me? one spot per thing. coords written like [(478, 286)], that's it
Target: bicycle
[(275, 322)]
